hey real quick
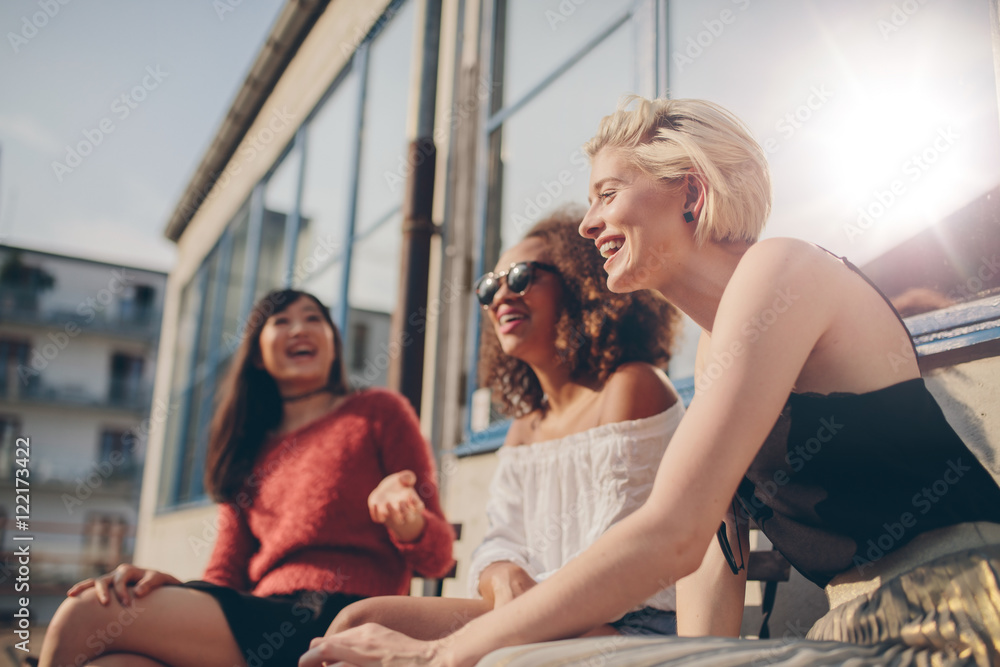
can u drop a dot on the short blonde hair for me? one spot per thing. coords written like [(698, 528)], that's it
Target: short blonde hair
[(673, 139)]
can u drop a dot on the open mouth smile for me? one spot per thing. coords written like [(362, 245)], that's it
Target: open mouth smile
[(609, 247), (510, 319), (301, 352)]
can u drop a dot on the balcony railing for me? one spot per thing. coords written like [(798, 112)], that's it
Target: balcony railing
[(34, 389), (120, 317)]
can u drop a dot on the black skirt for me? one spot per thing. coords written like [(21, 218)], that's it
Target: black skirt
[(275, 631)]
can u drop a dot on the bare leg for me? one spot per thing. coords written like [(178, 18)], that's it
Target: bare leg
[(420, 618), (125, 660), (172, 626)]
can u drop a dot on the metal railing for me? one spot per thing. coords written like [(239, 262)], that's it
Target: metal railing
[(31, 387), (24, 306)]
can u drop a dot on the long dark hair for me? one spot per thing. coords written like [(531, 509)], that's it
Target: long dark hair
[(249, 405)]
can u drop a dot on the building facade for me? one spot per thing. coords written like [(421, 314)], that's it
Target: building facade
[(78, 343), (383, 154)]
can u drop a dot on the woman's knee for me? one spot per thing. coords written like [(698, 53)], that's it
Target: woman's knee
[(76, 615), (84, 621)]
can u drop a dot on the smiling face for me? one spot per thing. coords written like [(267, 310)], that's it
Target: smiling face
[(525, 324), (297, 347), (636, 222)]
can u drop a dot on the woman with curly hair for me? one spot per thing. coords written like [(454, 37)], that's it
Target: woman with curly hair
[(580, 370)]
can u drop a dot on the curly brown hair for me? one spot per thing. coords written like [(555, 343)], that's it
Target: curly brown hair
[(597, 330)]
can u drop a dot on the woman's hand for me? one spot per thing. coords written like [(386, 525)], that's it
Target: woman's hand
[(395, 503), (118, 581), (369, 645), (503, 581)]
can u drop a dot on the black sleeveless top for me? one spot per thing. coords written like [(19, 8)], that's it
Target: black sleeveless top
[(843, 479)]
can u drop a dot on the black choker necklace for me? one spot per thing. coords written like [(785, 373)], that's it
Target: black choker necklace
[(299, 397)]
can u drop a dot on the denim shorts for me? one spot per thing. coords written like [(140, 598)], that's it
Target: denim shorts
[(647, 621)]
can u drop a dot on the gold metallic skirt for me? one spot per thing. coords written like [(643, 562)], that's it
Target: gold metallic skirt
[(943, 612), (946, 612)]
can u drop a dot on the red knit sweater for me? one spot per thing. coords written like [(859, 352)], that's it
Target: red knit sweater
[(303, 522)]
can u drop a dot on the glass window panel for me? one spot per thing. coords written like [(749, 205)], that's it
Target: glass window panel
[(172, 444), (279, 203), (374, 280), (543, 162), (279, 193), (330, 139), (374, 284), (204, 399), (272, 252), (213, 271), (384, 147), (326, 283), (187, 329), (882, 131), (209, 306), (272, 245), (234, 282), (542, 34), (367, 347), (198, 417)]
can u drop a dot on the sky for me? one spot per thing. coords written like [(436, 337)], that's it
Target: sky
[(106, 110), (878, 117), (874, 95)]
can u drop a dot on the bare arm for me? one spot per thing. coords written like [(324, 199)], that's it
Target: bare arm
[(503, 581), (714, 445), (498, 569), (710, 601), (724, 427)]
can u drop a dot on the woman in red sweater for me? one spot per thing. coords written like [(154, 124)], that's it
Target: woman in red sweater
[(327, 496)]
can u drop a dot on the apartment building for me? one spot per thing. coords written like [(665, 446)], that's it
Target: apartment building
[(78, 342)]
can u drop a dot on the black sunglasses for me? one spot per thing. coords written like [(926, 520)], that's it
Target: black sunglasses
[(519, 278), (727, 550)]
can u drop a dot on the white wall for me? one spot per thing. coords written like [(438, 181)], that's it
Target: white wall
[(66, 441), (88, 289), (969, 395)]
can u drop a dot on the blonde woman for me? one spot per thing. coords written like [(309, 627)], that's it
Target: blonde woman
[(804, 410)]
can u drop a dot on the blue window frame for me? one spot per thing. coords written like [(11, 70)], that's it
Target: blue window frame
[(897, 111), (290, 233)]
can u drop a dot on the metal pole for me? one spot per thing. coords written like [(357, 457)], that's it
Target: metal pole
[(409, 325)]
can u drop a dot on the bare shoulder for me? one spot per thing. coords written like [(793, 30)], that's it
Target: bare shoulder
[(779, 272), (519, 429), (636, 390), (788, 259)]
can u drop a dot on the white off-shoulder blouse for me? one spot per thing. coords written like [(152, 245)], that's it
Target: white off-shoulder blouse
[(551, 500)]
